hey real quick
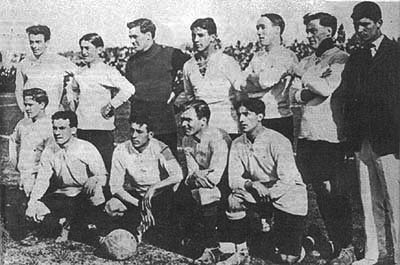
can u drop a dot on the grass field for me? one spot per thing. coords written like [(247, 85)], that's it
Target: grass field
[(47, 251)]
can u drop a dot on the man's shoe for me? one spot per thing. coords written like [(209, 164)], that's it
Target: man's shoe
[(365, 262), (346, 257), (209, 256), (29, 240), (240, 257)]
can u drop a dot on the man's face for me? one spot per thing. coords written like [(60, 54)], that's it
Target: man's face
[(140, 41), (62, 131), (32, 107), (201, 39), (367, 29), (89, 52), (266, 31), (248, 120), (38, 44), (140, 136), (190, 123), (317, 33)]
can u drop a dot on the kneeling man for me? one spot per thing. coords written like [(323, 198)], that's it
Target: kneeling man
[(206, 150), (69, 180), (262, 171), (142, 167)]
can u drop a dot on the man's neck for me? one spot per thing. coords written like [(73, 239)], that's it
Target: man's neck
[(376, 37), (40, 56), (148, 46), (252, 135), (207, 52), (200, 133), (272, 45), (143, 147), (67, 144), (39, 116)]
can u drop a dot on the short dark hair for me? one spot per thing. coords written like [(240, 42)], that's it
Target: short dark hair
[(200, 107), (39, 29), (145, 24), (205, 23), (66, 115), (367, 9), (325, 19), (142, 120), (252, 104), (37, 94), (93, 38), (276, 20)]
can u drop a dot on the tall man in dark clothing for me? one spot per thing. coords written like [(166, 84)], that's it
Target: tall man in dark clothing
[(371, 88), (152, 69)]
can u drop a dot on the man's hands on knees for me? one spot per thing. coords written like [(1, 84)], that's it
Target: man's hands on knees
[(36, 211), (259, 187), (90, 185)]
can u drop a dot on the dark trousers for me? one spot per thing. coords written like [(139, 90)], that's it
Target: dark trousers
[(320, 161), (78, 211), (282, 125), (103, 141), (197, 222), (287, 228)]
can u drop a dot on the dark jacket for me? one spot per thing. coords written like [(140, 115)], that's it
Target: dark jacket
[(371, 92)]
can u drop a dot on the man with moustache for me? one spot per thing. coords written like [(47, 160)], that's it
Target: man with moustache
[(268, 72), (371, 90), (42, 69), (152, 69), (320, 153)]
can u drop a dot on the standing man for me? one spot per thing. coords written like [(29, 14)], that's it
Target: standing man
[(42, 69), (152, 70), (263, 173), (92, 85), (320, 153), (206, 150), (371, 83), (212, 76), (268, 72), (76, 172)]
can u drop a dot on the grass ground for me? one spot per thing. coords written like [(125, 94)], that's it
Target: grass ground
[(13, 226)]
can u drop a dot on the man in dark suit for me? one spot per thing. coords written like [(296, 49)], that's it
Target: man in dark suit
[(371, 86)]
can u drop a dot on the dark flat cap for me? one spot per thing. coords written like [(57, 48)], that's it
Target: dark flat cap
[(367, 9)]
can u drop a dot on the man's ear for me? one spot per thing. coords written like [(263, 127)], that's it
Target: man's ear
[(42, 105), (73, 130), (329, 32), (148, 34), (151, 134), (260, 117), (100, 50), (379, 23), (203, 121)]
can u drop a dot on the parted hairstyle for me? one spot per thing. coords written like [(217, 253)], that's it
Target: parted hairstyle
[(325, 19), (201, 108), (145, 25), (39, 29), (276, 20), (205, 23), (37, 94), (93, 38), (66, 115), (252, 104)]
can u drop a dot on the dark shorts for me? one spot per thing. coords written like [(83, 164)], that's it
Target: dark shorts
[(320, 161)]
